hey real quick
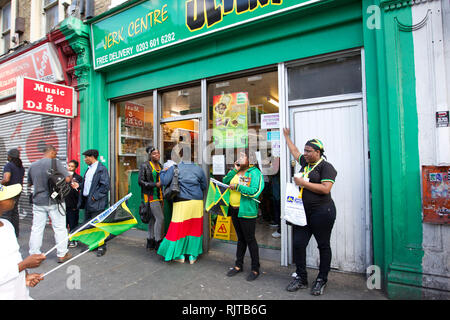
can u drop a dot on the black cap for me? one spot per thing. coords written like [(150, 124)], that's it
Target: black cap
[(14, 153)]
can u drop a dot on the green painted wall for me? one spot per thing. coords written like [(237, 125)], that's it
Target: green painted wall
[(292, 35), (393, 140)]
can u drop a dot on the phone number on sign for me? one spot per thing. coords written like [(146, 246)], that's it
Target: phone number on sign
[(150, 44)]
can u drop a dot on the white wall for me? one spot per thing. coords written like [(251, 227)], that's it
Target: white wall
[(431, 34)]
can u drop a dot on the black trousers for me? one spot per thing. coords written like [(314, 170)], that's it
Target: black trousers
[(72, 216), (245, 231), (320, 223)]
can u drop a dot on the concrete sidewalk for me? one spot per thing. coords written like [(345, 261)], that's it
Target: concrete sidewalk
[(128, 271)]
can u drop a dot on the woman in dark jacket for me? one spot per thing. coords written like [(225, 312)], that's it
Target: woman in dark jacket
[(150, 184)]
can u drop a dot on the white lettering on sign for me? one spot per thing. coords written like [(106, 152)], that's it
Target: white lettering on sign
[(48, 107), (41, 88)]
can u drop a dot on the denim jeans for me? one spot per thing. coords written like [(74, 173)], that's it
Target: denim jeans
[(40, 214)]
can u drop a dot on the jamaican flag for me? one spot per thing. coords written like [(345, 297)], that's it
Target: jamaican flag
[(101, 230), (218, 198)]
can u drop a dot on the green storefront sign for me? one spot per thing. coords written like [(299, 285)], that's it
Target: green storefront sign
[(153, 25)]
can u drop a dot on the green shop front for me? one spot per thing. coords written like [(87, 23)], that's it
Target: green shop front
[(213, 77)]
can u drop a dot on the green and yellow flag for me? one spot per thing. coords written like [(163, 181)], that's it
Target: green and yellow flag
[(218, 198), (98, 233)]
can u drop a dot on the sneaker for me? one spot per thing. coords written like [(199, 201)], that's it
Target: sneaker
[(297, 283), (101, 251), (276, 234), (233, 271), (318, 287), (73, 244), (273, 224), (68, 256), (252, 276)]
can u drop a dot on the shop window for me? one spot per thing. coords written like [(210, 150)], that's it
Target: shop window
[(333, 77), (179, 135), (6, 27), (181, 102), (135, 133), (244, 113), (51, 12)]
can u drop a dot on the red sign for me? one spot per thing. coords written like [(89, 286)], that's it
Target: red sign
[(47, 98), (134, 115), (39, 63), (436, 194)]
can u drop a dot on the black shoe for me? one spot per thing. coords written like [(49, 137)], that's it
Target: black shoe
[(101, 251), (318, 287), (297, 283), (252, 276), (233, 271), (150, 244)]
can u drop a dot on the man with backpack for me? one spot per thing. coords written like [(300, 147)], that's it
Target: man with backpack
[(47, 203)]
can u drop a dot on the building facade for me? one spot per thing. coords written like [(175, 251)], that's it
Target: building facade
[(366, 77)]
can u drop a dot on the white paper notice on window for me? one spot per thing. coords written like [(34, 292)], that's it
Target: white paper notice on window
[(276, 148), (218, 162), (270, 121)]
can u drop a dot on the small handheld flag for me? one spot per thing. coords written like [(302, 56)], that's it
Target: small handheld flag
[(218, 198), (100, 231)]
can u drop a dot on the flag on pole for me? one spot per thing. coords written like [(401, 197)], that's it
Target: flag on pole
[(218, 198), (99, 231)]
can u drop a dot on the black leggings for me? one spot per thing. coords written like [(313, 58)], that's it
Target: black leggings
[(245, 231), (320, 222)]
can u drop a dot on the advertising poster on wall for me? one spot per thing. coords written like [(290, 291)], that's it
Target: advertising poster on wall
[(134, 115), (436, 194), (230, 129)]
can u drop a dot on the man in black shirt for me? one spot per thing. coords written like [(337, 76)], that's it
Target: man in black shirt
[(13, 173)]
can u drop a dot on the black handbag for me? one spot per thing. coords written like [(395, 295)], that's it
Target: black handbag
[(145, 212), (174, 188)]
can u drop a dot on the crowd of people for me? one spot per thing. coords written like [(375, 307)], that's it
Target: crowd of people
[(184, 186)]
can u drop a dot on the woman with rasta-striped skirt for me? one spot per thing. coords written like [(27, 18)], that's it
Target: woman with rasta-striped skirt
[(184, 237)]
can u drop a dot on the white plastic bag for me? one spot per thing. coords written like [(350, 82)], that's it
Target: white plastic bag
[(294, 212)]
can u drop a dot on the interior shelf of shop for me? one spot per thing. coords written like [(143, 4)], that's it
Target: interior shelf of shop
[(134, 137), (127, 155)]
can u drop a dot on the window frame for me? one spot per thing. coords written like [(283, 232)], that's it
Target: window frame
[(45, 9), (5, 48)]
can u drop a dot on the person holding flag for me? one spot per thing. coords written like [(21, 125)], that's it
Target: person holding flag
[(14, 277), (246, 184)]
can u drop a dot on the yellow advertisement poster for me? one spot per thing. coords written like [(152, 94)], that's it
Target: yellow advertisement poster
[(230, 129)]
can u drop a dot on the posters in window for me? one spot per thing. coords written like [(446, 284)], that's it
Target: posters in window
[(230, 128)]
